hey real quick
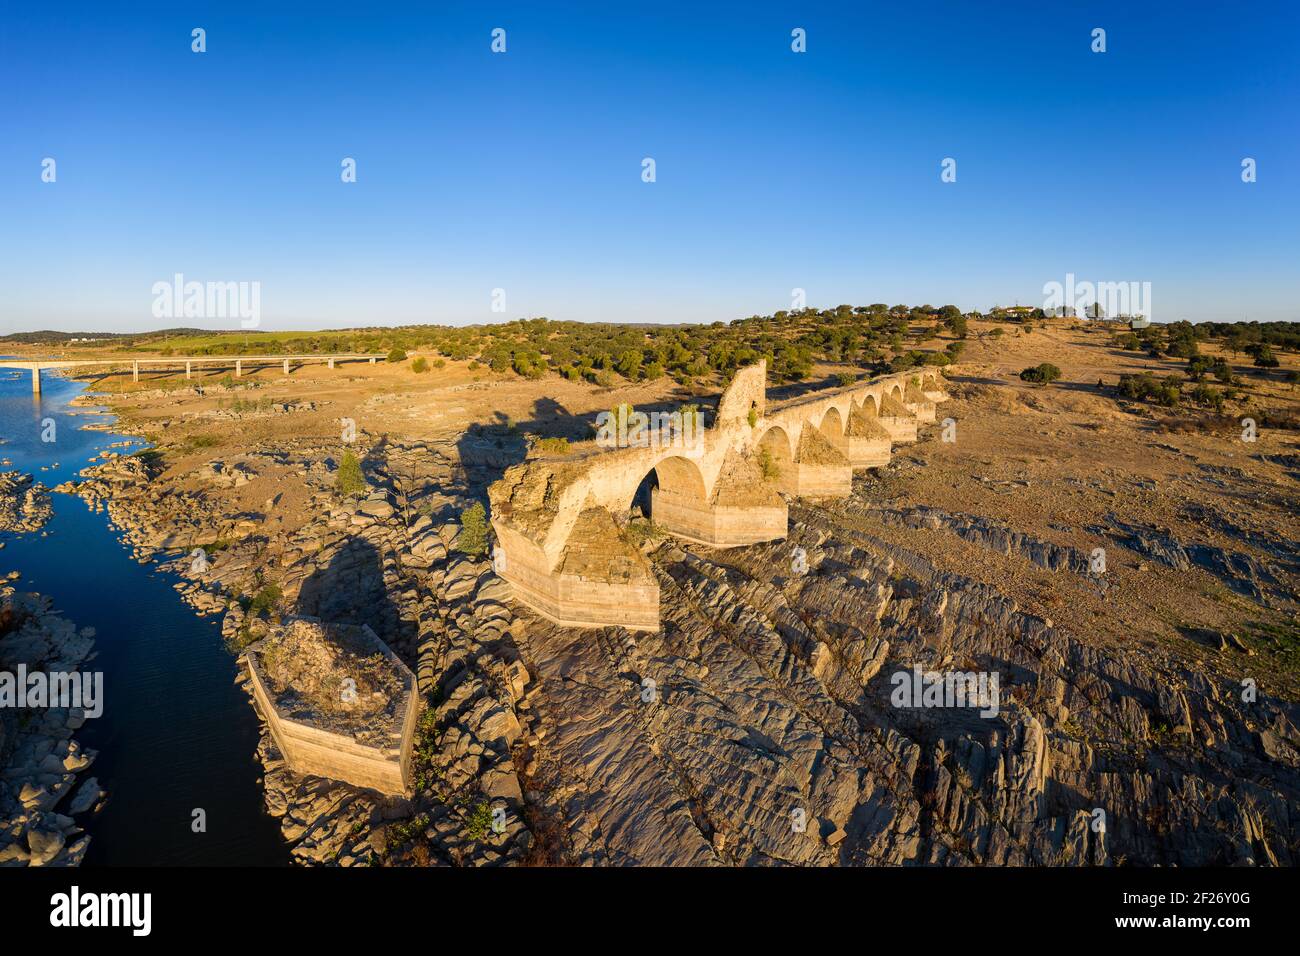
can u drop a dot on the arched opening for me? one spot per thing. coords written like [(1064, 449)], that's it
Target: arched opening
[(868, 406), (775, 456), (896, 394), (832, 428), (677, 476)]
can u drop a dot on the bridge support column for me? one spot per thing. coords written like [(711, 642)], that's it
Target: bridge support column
[(286, 366), (819, 469), (239, 368), (187, 370), (867, 444), (916, 402), (897, 420), (372, 360), (743, 509), (135, 371), (36, 380), (331, 363), (600, 580)]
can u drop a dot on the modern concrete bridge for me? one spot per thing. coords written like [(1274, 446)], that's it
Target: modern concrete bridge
[(559, 519), (236, 361)]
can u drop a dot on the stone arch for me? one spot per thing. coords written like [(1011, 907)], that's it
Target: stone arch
[(777, 442), (832, 427), (868, 405), (673, 475), (896, 392)]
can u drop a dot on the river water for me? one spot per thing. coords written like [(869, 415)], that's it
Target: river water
[(176, 734)]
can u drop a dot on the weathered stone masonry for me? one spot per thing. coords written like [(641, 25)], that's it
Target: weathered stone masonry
[(565, 553)]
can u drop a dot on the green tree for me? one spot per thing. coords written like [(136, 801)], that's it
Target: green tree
[(350, 480), (1264, 357), (473, 530), (1041, 374)]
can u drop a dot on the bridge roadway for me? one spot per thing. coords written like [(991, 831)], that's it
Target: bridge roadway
[(35, 366)]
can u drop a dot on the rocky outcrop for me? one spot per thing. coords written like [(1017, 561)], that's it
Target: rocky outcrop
[(759, 726), (24, 505), (39, 757)]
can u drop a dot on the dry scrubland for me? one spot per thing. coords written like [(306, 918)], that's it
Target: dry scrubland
[(1120, 691)]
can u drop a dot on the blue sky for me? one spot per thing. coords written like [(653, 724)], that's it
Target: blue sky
[(522, 171)]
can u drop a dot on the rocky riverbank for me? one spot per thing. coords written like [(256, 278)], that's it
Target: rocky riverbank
[(386, 558), (42, 807)]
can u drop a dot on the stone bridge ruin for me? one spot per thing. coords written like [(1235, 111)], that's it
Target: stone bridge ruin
[(560, 519)]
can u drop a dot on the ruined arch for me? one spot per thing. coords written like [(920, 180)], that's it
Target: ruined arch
[(868, 406), (674, 475), (777, 442)]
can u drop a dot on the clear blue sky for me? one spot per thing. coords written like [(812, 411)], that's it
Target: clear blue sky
[(522, 171)]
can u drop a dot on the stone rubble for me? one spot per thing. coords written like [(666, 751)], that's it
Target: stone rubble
[(39, 757)]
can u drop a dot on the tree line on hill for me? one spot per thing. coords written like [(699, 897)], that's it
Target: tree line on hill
[(875, 338)]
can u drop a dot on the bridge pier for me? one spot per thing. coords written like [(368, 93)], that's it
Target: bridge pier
[(897, 420), (372, 360), (743, 509), (187, 369), (600, 580), (135, 371), (36, 380), (867, 443), (331, 363), (286, 366), (239, 368), (818, 469), (916, 402)]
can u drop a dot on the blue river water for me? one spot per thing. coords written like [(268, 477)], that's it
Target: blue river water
[(176, 733)]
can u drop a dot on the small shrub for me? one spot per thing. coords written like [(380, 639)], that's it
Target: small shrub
[(753, 417), (642, 530), (558, 445), (478, 820), (265, 600), (692, 419), (845, 378), (472, 539), (421, 364), (768, 466), (350, 480), (1144, 385), (1041, 374), (397, 355)]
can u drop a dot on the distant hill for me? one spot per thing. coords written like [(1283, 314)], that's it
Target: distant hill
[(49, 336)]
